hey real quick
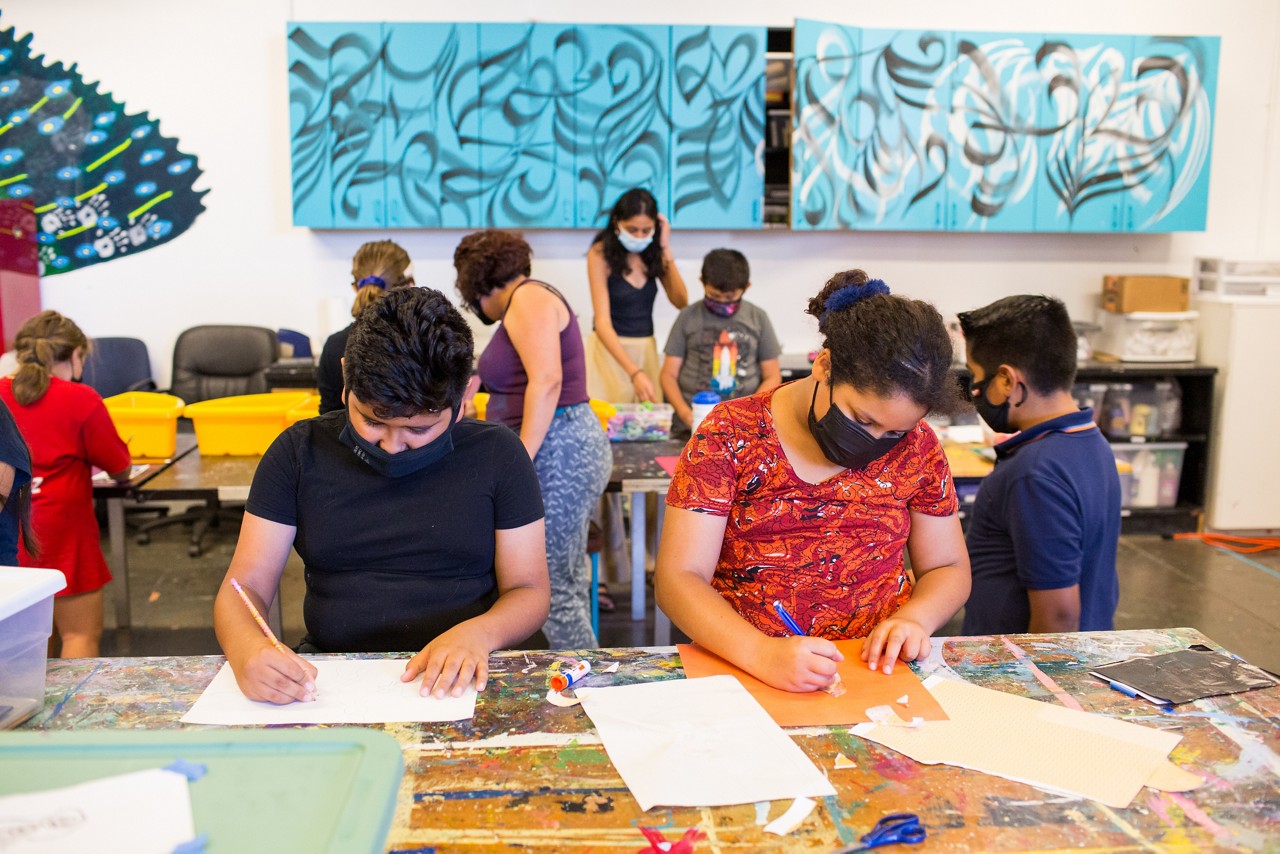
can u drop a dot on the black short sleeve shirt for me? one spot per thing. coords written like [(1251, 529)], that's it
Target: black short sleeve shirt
[(393, 562)]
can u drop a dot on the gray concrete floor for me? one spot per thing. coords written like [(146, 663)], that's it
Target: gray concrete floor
[(1233, 599)]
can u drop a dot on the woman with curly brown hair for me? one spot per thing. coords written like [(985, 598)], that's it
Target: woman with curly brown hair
[(810, 495), (535, 373)]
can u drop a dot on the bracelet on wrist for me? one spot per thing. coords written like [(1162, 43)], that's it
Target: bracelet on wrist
[(636, 371)]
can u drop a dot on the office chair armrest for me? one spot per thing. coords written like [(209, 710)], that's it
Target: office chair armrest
[(143, 385)]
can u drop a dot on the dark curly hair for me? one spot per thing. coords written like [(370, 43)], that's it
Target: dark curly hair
[(1032, 333), (886, 344), (634, 202), (487, 260), (409, 353)]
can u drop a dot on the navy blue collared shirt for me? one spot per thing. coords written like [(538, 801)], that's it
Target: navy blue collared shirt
[(1047, 517)]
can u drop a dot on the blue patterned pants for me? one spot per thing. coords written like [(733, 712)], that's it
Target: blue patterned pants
[(573, 468)]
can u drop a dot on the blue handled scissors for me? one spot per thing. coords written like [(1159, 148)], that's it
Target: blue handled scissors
[(900, 828)]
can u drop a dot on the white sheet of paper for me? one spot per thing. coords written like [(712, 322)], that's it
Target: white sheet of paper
[(134, 471), (135, 813), (356, 691), (699, 743), (1029, 741)]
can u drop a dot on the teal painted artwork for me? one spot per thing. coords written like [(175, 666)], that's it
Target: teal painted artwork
[(405, 125), (105, 183), (914, 130)]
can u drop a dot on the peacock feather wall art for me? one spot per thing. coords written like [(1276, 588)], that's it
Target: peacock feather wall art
[(105, 183)]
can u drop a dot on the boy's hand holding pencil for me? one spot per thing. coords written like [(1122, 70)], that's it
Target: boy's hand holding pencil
[(274, 674)]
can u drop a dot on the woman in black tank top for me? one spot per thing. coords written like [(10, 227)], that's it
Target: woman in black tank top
[(628, 258)]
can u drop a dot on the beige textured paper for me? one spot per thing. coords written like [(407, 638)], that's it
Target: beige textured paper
[(1049, 746)]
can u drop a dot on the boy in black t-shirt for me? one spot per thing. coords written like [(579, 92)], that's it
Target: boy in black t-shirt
[(420, 530)]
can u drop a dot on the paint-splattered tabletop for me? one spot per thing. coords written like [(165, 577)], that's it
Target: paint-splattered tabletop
[(525, 773)]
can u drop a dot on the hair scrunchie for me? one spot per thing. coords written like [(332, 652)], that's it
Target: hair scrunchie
[(850, 294), (376, 281)]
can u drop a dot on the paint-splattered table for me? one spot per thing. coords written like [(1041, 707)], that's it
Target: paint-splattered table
[(525, 773)]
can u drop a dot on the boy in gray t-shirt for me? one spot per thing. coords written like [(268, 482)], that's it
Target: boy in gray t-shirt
[(723, 344)]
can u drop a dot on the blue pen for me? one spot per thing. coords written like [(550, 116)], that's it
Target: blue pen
[(836, 688), (1123, 689), (791, 624)]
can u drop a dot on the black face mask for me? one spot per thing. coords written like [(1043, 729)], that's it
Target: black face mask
[(844, 441), (997, 417), (484, 318), (405, 462)]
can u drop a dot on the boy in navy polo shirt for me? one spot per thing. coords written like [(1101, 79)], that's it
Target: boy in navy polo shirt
[(1043, 534)]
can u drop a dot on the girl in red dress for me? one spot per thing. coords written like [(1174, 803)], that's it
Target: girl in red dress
[(69, 432)]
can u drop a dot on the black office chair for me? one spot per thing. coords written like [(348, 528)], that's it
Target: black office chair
[(211, 362), (118, 365)]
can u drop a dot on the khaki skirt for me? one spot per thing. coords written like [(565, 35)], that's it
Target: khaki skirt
[(607, 381)]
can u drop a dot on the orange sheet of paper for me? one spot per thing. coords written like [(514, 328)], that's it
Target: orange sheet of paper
[(866, 689)]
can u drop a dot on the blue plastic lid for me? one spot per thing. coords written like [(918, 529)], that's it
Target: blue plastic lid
[(706, 397)]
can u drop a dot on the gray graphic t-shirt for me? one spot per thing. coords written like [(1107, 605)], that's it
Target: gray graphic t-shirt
[(721, 354)]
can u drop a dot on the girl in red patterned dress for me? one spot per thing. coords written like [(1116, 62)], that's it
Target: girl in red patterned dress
[(69, 432), (811, 494)]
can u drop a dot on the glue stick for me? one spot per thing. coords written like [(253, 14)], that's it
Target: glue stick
[(562, 680)]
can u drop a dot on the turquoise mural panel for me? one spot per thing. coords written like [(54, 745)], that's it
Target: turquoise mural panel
[(1087, 113), (307, 50), (824, 133), (717, 127), (620, 126), (431, 125), (992, 132), (899, 170), (526, 141), (335, 121), (1175, 83)]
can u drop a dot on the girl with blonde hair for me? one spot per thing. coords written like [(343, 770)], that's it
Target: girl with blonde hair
[(377, 267)]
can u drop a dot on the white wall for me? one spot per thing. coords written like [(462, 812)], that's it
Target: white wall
[(215, 76)]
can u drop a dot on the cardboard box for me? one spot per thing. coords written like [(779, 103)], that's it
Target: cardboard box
[(1124, 294)]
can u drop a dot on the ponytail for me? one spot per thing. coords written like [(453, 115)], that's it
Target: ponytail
[(42, 342), (377, 267)]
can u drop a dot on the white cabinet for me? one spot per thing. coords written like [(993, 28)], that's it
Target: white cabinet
[(1241, 337)]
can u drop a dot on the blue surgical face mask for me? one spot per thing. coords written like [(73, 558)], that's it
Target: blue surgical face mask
[(404, 463), (634, 244), (844, 441)]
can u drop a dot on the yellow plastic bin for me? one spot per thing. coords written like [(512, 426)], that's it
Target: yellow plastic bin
[(309, 408), (243, 426), (146, 421)]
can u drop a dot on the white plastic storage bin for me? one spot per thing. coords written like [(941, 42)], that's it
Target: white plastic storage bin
[(1149, 473), (1227, 278), (1149, 336), (26, 621)]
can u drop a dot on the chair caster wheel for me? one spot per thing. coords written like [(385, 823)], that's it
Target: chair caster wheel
[(193, 551), (142, 539)]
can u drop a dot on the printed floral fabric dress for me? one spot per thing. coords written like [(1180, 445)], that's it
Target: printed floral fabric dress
[(832, 552)]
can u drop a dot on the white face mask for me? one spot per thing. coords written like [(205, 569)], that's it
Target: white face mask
[(408, 271), (634, 244)]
